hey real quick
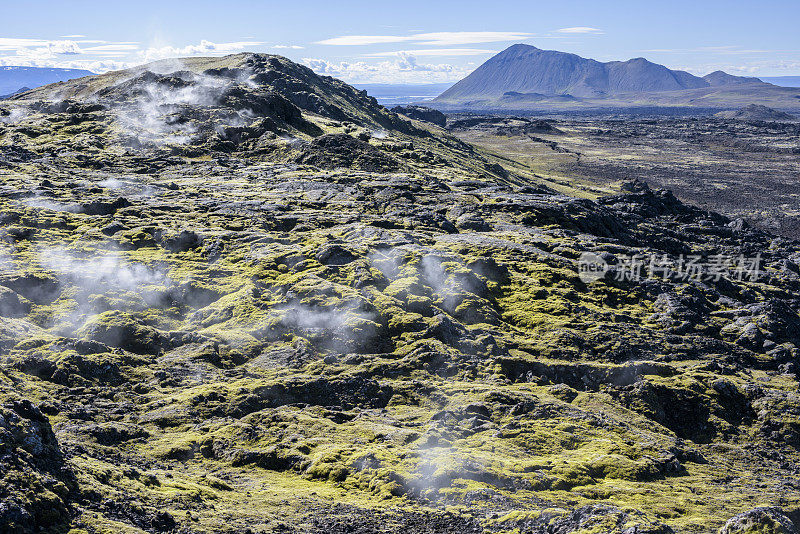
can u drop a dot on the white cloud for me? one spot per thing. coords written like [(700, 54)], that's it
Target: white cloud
[(747, 68), (8, 43), (115, 50), (290, 47), (64, 47), (102, 56), (48, 51), (403, 69), (430, 39), (116, 47), (430, 52), (63, 53), (204, 48), (76, 36), (96, 66), (353, 40), (38, 46), (580, 29), (462, 38), (720, 50)]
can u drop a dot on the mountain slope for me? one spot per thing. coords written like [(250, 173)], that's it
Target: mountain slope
[(201, 334), (265, 105), (13, 78), (718, 78), (523, 76), (220, 81)]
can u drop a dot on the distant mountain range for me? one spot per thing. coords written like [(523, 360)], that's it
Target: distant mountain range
[(525, 76), (12, 79), (391, 94)]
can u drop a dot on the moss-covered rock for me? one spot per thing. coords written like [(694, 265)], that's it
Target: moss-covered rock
[(222, 338), (36, 483)]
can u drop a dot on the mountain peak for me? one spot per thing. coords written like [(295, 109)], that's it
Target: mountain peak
[(520, 46)]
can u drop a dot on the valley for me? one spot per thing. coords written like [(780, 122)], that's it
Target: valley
[(744, 169)]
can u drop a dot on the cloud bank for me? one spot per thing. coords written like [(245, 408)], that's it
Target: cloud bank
[(432, 52), (101, 56), (428, 39), (405, 68), (580, 29)]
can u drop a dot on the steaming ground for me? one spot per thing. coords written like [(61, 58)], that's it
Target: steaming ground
[(359, 333), (155, 114), (101, 282)]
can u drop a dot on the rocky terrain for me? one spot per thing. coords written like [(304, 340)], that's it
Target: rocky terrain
[(240, 297), (744, 168), (422, 113)]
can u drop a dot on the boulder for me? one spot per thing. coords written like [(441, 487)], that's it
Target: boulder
[(35, 482), (761, 520), (422, 113), (119, 329), (333, 254), (13, 304)]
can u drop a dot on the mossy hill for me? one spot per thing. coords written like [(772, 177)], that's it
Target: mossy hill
[(240, 297)]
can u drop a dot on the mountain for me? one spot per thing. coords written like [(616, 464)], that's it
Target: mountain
[(526, 69), (220, 313), (523, 75), (263, 105), (20, 90), (12, 79)]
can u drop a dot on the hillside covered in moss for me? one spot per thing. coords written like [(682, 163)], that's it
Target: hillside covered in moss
[(236, 296)]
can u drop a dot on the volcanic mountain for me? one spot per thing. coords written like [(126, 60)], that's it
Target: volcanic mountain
[(523, 75), (265, 105)]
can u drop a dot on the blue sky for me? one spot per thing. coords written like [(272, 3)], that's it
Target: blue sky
[(404, 42)]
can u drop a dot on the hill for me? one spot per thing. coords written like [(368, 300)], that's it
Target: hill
[(755, 112), (523, 76), (720, 78), (236, 296), (12, 79), (265, 105)]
